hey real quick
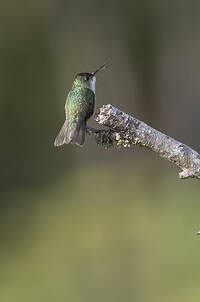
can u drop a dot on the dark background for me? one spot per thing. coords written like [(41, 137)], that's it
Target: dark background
[(89, 224)]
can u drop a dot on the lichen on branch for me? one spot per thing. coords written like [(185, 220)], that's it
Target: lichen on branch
[(125, 131)]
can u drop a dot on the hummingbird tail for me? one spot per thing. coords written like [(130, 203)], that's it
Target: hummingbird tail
[(71, 133), (78, 135), (61, 138)]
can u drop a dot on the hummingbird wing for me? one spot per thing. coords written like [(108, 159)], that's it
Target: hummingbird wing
[(79, 108), (80, 103), (61, 137)]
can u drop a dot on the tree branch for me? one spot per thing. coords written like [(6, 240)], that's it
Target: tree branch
[(126, 130)]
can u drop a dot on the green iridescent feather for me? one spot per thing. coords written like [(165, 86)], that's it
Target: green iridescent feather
[(79, 107)]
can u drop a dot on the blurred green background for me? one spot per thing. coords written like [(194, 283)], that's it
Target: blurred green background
[(91, 224)]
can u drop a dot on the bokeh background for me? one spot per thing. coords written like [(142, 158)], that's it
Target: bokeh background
[(91, 224)]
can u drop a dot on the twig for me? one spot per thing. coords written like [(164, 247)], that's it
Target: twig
[(126, 130)]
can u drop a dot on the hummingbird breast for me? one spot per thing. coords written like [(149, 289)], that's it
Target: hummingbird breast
[(80, 104)]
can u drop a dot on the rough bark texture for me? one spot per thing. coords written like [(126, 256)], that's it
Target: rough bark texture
[(125, 130)]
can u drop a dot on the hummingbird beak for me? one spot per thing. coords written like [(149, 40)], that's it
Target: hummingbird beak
[(104, 66)]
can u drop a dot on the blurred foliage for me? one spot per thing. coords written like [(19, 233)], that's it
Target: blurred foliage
[(29, 91), (103, 236), (89, 224)]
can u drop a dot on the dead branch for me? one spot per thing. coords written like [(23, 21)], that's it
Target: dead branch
[(125, 131)]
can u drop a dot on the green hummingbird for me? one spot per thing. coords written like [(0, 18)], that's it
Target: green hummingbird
[(79, 107)]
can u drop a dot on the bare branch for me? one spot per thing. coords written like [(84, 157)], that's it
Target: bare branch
[(125, 130)]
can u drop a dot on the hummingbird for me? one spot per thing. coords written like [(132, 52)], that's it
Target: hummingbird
[(79, 107)]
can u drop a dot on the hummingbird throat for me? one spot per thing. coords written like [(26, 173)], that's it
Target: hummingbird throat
[(92, 84)]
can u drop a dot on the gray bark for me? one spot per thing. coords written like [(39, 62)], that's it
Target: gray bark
[(125, 131)]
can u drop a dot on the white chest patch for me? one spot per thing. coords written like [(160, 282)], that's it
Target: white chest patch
[(93, 84)]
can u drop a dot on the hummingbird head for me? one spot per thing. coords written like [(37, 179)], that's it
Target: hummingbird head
[(87, 80)]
